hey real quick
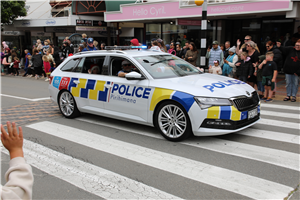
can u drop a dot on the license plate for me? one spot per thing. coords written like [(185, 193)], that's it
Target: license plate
[(252, 113)]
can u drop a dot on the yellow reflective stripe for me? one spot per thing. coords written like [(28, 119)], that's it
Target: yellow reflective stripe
[(235, 114), (76, 90), (213, 112), (99, 87), (159, 94)]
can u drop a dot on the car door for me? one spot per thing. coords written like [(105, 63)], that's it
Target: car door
[(127, 99), (74, 81)]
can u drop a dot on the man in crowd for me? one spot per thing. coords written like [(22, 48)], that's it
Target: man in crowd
[(214, 54), (227, 47), (90, 45), (185, 48)]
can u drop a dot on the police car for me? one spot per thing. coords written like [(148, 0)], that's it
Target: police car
[(160, 90)]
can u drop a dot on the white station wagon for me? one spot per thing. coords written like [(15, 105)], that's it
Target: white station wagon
[(162, 90)]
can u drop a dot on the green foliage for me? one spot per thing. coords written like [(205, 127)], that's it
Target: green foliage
[(10, 10)]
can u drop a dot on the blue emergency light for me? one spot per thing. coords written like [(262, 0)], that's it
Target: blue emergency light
[(124, 47)]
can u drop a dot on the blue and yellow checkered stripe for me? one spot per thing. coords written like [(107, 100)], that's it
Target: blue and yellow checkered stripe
[(227, 112), (89, 89)]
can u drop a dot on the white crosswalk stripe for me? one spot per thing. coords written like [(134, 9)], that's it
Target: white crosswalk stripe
[(88, 177), (236, 182), (284, 107), (271, 135), (278, 123), (280, 114), (272, 156)]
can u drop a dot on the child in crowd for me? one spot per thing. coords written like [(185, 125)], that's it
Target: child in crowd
[(269, 74), (155, 46), (47, 67), (30, 66), (16, 66), (244, 67), (216, 69), (260, 87), (19, 174)]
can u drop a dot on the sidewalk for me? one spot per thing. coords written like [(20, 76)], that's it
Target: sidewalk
[(281, 90)]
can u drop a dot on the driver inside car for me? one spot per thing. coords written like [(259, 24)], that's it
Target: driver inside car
[(126, 68)]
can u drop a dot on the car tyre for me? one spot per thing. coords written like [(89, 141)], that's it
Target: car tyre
[(172, 121), (67, 105)]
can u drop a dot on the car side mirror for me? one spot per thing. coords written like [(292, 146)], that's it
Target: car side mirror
[(134, 76)]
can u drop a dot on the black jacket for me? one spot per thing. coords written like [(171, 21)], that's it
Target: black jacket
[(66, 51), (245, 69), (277, 57), (37, 60), (292, 60)]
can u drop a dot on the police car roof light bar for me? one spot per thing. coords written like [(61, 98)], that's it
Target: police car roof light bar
[(124, 47)]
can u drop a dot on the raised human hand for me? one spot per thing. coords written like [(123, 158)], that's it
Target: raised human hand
[(13, 141)]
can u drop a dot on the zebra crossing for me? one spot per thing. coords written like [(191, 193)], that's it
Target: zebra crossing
[(233, 168)]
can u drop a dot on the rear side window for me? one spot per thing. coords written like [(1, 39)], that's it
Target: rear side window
[(91, 63), (70, 66)]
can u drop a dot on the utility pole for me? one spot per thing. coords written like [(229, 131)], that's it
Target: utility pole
[(203, 3)]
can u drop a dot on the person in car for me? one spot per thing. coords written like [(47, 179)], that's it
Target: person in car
[(126, 68)]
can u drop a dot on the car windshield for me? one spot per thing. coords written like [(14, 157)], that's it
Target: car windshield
[(166, 66)]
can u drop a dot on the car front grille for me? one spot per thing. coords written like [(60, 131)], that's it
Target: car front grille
[(246, 103)]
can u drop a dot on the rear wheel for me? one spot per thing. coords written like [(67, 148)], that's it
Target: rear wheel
[(67, 105), (172, 121)]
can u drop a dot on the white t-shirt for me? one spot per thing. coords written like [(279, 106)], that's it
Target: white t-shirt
[(156, 48)]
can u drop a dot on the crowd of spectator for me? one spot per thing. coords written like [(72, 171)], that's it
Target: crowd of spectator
[(243, 61)]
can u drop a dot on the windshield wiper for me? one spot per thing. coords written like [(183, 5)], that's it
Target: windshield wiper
[(161, 61)]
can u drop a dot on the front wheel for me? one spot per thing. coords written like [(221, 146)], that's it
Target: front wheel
[(67, 105), (172, 121)]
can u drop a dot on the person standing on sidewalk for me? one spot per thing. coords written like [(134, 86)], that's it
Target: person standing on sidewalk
[(2, 65), (215, 54), (269, 74), (26, 62), (291, 69)]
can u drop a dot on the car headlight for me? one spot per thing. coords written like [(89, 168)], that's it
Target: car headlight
[(206, 102)]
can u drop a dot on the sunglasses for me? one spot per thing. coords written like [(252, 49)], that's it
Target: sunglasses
[(248, 46), (267, 46), (246, 39), (127, 65), (297, 45)]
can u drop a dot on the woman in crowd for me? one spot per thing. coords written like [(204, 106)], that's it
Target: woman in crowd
[(172, 49), (253, 54), (162, 45), (291, 69), (229, 67), (192, 54)]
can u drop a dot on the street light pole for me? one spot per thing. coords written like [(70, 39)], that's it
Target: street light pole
[(203, 35)]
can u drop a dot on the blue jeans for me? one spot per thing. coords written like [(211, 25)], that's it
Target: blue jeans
[(292, 82)]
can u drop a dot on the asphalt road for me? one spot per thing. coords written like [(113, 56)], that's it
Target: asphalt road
[(94, 157)]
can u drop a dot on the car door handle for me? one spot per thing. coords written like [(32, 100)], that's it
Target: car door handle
[(107, 86), (76, 82)]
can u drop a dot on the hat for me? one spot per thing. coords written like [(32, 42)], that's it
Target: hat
[(215, 42), (135, 42), (177, 42), (125, 62), (90, 40), (153, 39), (232, 49)]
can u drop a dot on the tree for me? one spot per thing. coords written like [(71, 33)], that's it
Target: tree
[(10, 10)]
